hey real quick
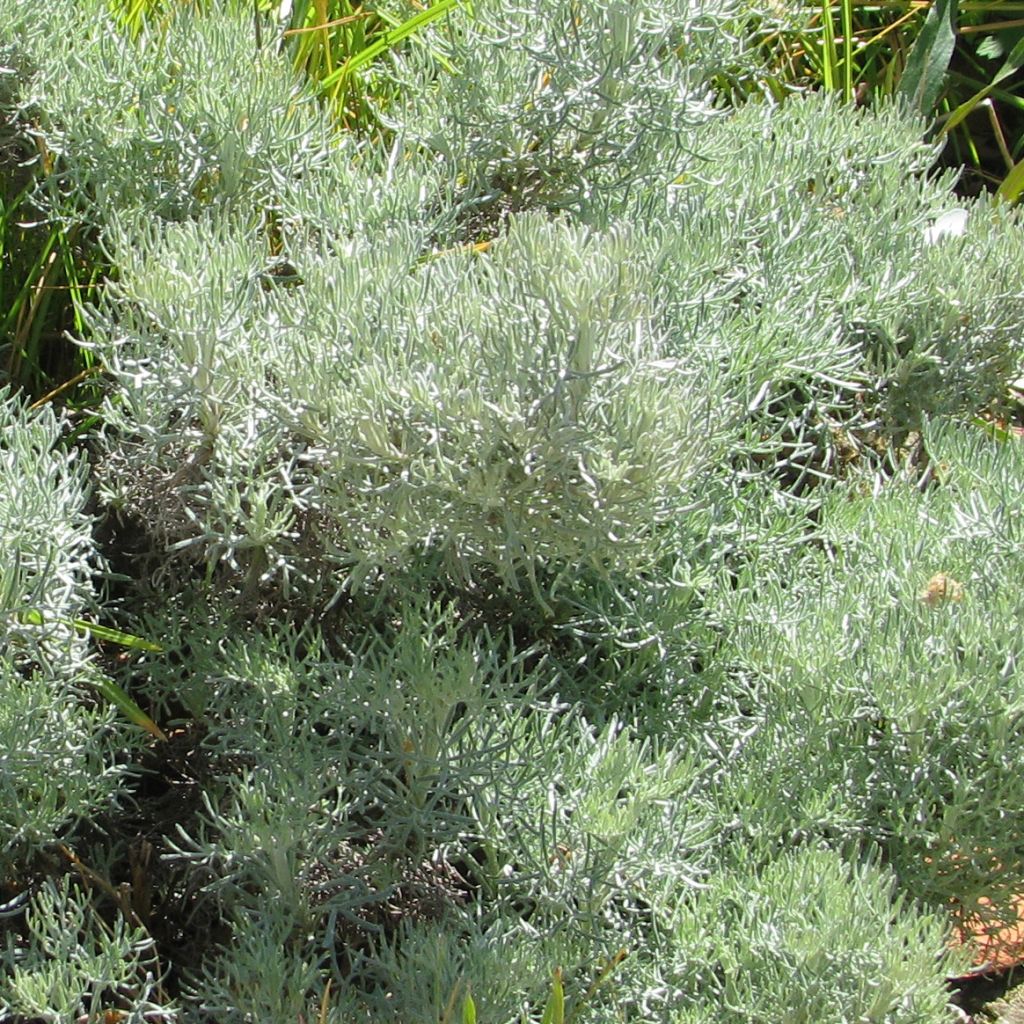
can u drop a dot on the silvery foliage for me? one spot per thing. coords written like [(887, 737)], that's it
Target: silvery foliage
[(56, 764), (424, 735), (763, 964), (562, 109), (317, 394), (53, 770), (508, 415), (77, 964), (851, 644), (318, 424), (180, 121), (47, 557), (805, 268), (577, 843)]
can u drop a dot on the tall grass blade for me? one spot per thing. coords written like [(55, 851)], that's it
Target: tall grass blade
[(1013, 184), (390, 39), (110, 691), (829, 55), (1010, 66), (848, 47), (34, 617), (554, 1012), (107, 689)]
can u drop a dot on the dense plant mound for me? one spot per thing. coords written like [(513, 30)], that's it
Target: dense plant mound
[(573, 520)]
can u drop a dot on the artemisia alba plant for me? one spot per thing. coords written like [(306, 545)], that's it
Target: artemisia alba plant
[(332, 43)]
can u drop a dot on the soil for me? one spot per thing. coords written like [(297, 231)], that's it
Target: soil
[(991, 998)]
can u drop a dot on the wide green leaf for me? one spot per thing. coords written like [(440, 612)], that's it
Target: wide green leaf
[(929, 59)]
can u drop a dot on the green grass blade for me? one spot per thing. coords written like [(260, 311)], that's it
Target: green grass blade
[(829, 56), (34, 617), (115, 636), (848, 47), (390, 39), (106, 687), (1013, 184), (1010, 66), (554, 1012), (110, 691)]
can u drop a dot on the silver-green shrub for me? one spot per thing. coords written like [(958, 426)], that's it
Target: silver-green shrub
[(800, 939), (594, 680), (406, 781), (77, 965), (522, 413), (578, 845), (55, 770), (892, 640), (185, 118), (804, 267), (511, 416), (554, 108), (47, 555)]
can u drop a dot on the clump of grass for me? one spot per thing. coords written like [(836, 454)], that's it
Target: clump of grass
[(50, 273), (335, 45)]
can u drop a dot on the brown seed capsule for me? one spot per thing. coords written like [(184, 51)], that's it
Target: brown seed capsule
[(941, 588)]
